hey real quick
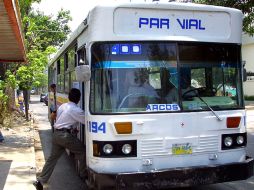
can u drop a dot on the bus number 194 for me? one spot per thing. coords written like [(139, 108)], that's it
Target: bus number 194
[(95, 127)]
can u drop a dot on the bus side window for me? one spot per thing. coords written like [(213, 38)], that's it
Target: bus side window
[(81, 60), (82, 56)]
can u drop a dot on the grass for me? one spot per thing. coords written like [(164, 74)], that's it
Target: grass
[(249, 98)]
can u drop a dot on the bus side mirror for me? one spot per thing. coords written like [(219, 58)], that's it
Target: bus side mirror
[(83, 73), (244, 75)]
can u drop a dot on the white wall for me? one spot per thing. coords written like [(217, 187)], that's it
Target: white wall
[(248, 56)]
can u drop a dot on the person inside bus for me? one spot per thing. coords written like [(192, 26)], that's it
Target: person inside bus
[(169, 92), (53, 105), (139, 88), (68, 117), (185, 84)]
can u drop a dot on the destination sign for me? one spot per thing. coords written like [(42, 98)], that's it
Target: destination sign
[(152, 22)]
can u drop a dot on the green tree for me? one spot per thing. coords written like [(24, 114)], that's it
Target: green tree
[(43, 34), (6, 98), (246, 6), (44, 31)]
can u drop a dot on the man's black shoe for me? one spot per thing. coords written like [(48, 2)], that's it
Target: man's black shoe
[(38, 185)]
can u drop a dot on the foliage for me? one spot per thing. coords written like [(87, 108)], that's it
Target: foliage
[(10, 80), (26, 6), (246, 6), (249, 98), (9, 83), (43, 31), (3, 105), (33, 75), (43, 34)]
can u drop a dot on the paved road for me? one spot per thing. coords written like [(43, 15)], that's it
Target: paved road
[(239, 185), (65, 178)]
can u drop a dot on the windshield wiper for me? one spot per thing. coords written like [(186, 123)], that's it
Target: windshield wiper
[(218, 117)]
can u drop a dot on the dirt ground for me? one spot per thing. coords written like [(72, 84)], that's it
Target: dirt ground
[(17, 155), (18, 134)]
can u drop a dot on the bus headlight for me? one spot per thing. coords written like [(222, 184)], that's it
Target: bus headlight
[(240, 140), (107, 148), (228, 141), (126, 149)]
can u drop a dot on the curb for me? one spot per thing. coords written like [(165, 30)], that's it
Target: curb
[(251, 107), (38, 151)]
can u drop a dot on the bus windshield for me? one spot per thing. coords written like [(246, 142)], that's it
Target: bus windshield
[(165, 76)]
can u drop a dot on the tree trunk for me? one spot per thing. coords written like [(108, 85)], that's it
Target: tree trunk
[(26, 100)]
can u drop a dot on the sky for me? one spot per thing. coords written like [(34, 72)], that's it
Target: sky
[(78, 8)]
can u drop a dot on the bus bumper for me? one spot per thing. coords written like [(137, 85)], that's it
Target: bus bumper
[(178, 177)]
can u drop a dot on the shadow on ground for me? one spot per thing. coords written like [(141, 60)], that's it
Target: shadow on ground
[(4, 171)]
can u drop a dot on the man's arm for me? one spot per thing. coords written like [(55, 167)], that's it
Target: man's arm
[(78, 114)]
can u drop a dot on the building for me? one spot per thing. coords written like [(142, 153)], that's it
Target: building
[(248, 58), (12, 48)]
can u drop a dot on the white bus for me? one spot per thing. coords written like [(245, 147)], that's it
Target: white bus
[(162, 92)]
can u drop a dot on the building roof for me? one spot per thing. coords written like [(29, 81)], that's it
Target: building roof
[(12, 48)]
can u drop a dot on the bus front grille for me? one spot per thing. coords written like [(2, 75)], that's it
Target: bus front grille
[(161, 147), (207, 144), (153, 147)]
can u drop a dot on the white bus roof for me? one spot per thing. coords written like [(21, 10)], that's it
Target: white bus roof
[(158, 21)]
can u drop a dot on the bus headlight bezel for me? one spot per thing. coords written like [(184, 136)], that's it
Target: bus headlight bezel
[(127, 148), (239, 140)]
